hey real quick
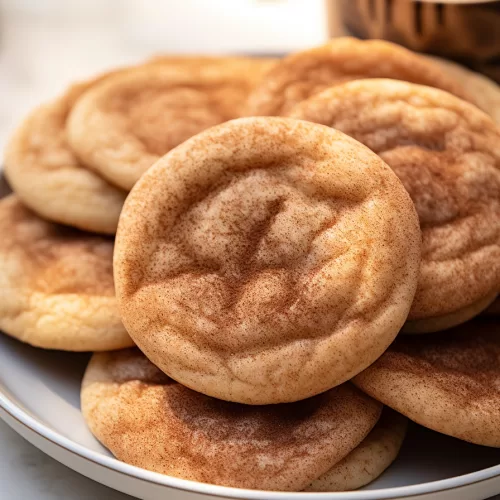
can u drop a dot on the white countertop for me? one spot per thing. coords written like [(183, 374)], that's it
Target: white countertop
[(26, 472)]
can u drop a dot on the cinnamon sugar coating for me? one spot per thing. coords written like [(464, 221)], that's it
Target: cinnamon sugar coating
[(122, 126), (303, 74), (266, 260), (447, 154), (56, 284), (149, 420), (448, 382)]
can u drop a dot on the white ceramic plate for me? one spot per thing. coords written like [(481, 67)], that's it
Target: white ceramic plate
[(40, 399)]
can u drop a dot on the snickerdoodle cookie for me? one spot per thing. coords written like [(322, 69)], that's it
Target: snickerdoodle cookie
[(266, 260), (306, 73), (47, 177), (56, 284), (149, 420), (449, 382), (124, 124), (447, 154), (369, 459)]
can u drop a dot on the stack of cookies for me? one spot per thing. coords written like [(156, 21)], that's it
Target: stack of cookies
[(307, 256)]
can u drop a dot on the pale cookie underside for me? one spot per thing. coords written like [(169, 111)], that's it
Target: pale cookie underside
[(369, 459), (447, 154), (56, 284), (260, 240), (448, 382), (148, 420), (437, 324)]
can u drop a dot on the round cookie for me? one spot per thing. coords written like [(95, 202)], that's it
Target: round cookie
[(56, 284), (148, 420), (306, 73), (449, 382), (447, 154), (369, 459), (123, 125), (262, 240), (47, 177)]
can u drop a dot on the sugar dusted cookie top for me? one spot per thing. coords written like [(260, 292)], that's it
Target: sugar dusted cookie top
[(447, 154), (306, 73), (56, 284), (266, 260), (123, 125), (448, 382), (47, 176), (149, 420)]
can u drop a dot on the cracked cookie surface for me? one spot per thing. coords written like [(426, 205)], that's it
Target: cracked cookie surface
[(149, 420), (56, 284), (266, 260), (306, 73), (447, 154), (123, 125)]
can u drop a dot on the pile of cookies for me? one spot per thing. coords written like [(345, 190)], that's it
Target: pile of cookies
[(286, 228)]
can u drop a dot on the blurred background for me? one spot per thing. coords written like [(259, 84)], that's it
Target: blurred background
[(46, 44)]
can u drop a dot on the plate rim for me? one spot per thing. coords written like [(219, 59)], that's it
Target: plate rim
[(11, 408)]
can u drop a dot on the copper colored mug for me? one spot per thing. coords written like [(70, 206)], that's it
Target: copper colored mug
[(466, 31)]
